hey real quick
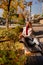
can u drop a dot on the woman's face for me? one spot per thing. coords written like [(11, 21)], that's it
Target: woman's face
[(27, 24)]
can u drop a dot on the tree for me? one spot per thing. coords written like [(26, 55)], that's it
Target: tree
[(5, 4), (7, 18), (10, 9)]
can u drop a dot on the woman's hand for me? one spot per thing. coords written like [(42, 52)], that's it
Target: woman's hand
[(20, 36)]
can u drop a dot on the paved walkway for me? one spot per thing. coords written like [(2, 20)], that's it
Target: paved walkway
[(38, 28)]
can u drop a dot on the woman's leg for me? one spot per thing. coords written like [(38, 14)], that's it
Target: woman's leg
[(29, 41), (23, 40), (36, 41), (38, 45)]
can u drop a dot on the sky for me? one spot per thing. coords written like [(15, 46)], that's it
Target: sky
[(1, 12), (36, 7)]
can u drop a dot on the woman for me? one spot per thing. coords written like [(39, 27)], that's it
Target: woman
[(27, 36)]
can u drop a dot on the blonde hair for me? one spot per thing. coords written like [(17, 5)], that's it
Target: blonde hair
[(29, 23)]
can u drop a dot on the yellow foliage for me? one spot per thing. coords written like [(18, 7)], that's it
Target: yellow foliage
[(14, 4), (14, 18), (5, 12), (21, 5), (4, 7), (19, 45)]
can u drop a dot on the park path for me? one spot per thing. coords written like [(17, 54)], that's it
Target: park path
[(38, 28)]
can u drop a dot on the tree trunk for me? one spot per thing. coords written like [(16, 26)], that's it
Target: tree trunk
[(7, 18), (7, 22), (30, 14)]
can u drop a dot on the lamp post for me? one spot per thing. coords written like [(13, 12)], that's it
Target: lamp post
[(28, 14), (29, 4)]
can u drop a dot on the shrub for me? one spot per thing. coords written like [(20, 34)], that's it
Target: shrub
[(12, 53), (21, 21), (12, 58), (8, 34), (11, 34)]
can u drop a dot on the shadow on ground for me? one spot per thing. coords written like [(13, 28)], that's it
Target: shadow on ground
[(38, 33), (34, 60)]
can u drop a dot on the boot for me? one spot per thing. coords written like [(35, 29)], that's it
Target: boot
[(40, 46), (41, 49)]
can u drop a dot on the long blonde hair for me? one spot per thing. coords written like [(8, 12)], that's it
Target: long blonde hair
[(29, 24)]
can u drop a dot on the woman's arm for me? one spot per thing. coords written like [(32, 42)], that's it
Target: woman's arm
[(20, 36)]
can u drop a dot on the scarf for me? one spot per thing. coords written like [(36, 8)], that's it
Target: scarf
[(26, 30)]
